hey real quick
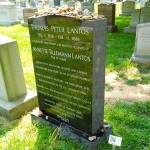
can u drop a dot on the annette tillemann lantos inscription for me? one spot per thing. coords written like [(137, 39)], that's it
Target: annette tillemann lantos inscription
[(69, 63)]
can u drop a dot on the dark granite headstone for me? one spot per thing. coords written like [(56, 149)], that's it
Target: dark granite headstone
[(108, 11), (69, 63), (56, 2)]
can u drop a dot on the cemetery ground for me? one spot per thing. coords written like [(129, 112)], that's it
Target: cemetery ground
[(127, 98)]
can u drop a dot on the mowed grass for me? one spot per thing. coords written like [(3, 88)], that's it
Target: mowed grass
[(131, 121)]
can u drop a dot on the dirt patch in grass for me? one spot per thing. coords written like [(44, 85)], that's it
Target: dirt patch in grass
[(116, 89)]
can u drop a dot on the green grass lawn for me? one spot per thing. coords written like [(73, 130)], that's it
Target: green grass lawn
[(131, 121)]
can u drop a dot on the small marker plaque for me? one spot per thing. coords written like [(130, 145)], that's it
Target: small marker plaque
[(114, 140)]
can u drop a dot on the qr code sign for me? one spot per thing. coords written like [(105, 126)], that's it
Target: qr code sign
[(114, 140)]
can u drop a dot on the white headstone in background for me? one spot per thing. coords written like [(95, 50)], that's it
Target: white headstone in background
[(135, 20), (14, 97), (20, 13), (127, 8), (51, 3), (142, 44), (28, 12), (63, 3), (8, 14), (40, 5), (11, 72)]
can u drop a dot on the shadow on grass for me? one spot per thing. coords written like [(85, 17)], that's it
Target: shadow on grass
[(132, 123), (44, 136)]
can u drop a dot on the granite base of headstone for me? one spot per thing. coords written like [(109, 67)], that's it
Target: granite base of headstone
[(127, 8), (135, 20), (14, 98), (8, 14), (19, 106), (68, 132), (142, 44), (28, 12), (108, 11)]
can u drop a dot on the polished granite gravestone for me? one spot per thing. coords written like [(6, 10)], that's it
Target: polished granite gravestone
[(8, 14), (14, 98), (108, 11), (127, 8), (28, 12), (69, 63), (87, 5), (142, 44)]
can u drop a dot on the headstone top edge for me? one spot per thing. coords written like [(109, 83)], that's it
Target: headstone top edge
[(91, 20), (5, 39), (143, 25)]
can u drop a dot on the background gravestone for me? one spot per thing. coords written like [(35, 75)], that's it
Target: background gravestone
[(71, 4), (14, 98), (8, 14), (33, 3), (51, 3), (135, 20), (108, 11), (147, 4), (28, 12), (69, 64), (87, 5), (40, 4), (63, 3), (127, 8), (56, 2), (20, 13), (145, 15), (138, 16), (142, 44)]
